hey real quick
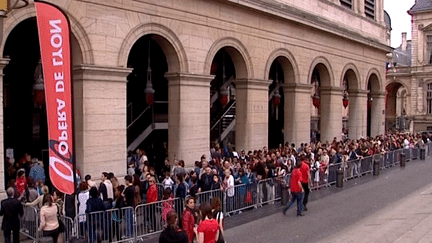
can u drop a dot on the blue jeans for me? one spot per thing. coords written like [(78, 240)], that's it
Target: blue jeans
[(129, 222), (296, 196)]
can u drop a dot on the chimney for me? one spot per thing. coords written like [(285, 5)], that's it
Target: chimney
[(404, 41)]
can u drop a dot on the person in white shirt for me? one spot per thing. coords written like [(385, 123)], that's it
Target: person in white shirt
[(228, 186), (168, 182), (106, 191)]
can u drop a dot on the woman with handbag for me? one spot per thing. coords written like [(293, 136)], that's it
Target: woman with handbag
[(216, 206), (49, 221)]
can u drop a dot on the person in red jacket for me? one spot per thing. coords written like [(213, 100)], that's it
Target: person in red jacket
[(152, 192), (188, 219), (152, 196), (296, 190), (21, 181), (306, 178)]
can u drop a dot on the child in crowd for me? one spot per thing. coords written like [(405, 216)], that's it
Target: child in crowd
[(168, 182), (131, 169)]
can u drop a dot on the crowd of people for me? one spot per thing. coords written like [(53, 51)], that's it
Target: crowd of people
[(222, 169)]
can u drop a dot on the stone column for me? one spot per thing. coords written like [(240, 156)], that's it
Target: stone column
[(360, 7), (3, 63), (357, 120), (378, 113), (99, 95), (331, 113), (297, 124), (251, 114), (188, 117)]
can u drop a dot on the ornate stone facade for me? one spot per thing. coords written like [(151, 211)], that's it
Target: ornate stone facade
[(337, 41)]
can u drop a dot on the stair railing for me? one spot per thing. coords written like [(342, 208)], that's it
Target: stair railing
[(139, 116), (223, 115), (215, 96)]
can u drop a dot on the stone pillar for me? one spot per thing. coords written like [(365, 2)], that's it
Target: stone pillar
[(99, 95), (3, 63), (251, 114), (297, 124), (331, 113), (357, 120), (378, 113), (360, 7), (188, 117)]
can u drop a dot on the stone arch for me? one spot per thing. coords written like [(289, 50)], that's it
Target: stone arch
[(375, 77), (324, 68), (78, 36), (353, 75), (398, 84), (238, 54), (167, 40), (288, 62)]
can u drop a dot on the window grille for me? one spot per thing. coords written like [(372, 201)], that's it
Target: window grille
[(370, 8), (346, 3), (429, 98)]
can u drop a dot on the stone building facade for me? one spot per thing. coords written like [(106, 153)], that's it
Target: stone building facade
[(341, 43), (408, 81)]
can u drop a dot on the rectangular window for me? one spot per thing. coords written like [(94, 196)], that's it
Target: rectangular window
[(429, 98), (429, 49), (346, 3), (370, 8)]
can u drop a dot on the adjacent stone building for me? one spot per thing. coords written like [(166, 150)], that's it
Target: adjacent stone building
[(222, 70), (408, 81)]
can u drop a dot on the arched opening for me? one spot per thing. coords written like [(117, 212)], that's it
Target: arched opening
[(223, 98), (24, 108), (147, 112), (320, 104), (276, 105), (396, 108)]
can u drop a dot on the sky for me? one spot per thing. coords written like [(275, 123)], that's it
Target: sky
[(400, 19)]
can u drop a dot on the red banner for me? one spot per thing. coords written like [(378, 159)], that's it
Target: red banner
[(54, 41)]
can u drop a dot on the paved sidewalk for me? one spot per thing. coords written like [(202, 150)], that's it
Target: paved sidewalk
[(409, 220), (395, 206)]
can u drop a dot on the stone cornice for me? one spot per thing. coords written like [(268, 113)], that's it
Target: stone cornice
[(300, 16), (378, 94), (189, 79), (256, 84), (3, 63), (331, 90), (358, 93), (297, 88), (87, 72)]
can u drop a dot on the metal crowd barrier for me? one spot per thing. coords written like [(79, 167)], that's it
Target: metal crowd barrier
[(414, 153), (151, 217), (70, 229), (207, 196), (266, 191), (244, 196), (29, 222), (114, 225), (319, 177)]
